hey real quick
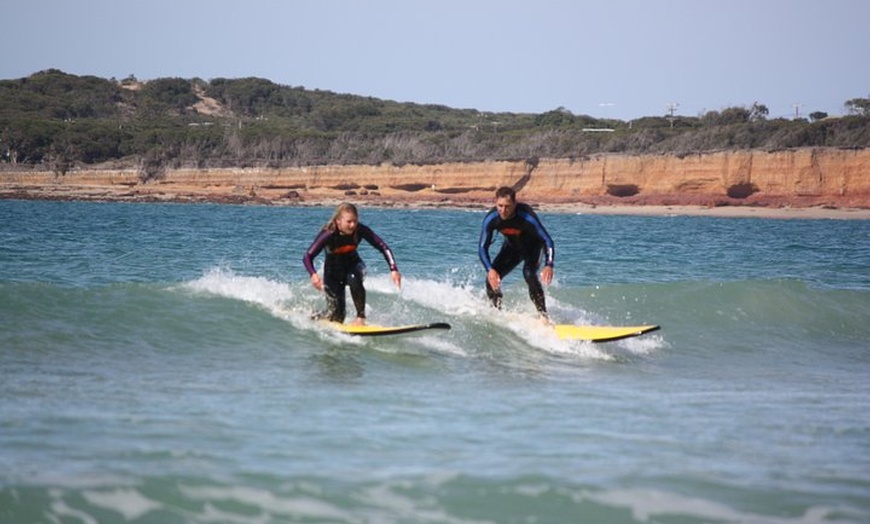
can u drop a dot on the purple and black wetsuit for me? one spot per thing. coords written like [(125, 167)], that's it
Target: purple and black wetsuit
[(343, 266)]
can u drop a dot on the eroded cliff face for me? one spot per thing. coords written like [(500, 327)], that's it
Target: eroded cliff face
[(807, 177), (803, 177)]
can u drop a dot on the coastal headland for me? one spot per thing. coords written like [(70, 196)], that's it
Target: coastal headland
[(812, 182)]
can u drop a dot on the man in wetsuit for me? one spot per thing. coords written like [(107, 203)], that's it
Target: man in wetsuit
[(343, 266), (525, 240)]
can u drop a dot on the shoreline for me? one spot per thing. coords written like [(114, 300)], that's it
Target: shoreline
[(807, 213), (663, 210)]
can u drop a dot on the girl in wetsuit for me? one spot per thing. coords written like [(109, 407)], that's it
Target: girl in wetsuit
[(343, 266)]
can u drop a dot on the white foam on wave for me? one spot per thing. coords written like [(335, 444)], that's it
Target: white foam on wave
[(441, 345), (128, 502), (649, 505), (280, 299), (256, 290), (270, 504), (440, 296), (542, 337), (469, 304), (463, 305), (643, 345)]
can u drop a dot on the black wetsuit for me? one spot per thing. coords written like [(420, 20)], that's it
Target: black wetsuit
[(344, 267), (525, 240)]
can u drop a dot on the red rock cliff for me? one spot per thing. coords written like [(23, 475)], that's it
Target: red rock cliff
[(806, 177)]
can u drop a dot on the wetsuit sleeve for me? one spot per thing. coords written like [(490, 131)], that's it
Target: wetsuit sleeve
[(379, 244), (550, 247), (486, 232), (313, 250)]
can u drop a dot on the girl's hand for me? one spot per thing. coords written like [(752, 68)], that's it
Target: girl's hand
[(547, 275)]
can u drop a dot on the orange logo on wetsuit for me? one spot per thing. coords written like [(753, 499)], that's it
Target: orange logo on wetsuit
[(341, 250), (511, 231)]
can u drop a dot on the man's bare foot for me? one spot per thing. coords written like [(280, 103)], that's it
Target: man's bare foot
[(358, 321), (545, 320)]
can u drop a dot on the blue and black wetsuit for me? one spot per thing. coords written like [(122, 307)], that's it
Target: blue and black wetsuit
[(525, 240), (343, 266)]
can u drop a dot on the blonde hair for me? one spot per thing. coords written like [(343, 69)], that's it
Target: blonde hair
[(344, 207)]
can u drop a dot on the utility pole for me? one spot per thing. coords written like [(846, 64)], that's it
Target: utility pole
[(672, 108)]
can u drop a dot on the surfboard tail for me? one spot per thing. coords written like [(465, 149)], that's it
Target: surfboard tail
[(601, 333), (371, 330)]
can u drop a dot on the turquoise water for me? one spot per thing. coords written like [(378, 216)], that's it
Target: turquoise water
[(157, 365)]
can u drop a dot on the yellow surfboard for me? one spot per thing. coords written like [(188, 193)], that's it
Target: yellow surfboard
[(601, 333), (371, 330)]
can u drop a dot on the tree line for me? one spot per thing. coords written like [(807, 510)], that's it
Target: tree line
[(60, 121)]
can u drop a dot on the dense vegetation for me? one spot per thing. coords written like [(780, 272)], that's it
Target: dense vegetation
[(56, 120)]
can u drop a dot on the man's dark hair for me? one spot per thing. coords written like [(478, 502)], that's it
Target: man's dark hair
[(505, 191)]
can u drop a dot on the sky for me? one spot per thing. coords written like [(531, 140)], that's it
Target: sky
[(620, 59)]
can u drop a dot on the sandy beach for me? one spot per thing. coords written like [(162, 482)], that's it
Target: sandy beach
[(811, 213), (580, 208)]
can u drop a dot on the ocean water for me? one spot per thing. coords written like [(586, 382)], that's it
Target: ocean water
[(157, 365)]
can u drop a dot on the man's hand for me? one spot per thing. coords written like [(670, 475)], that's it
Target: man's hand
[(316, 282), (494, 279)]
